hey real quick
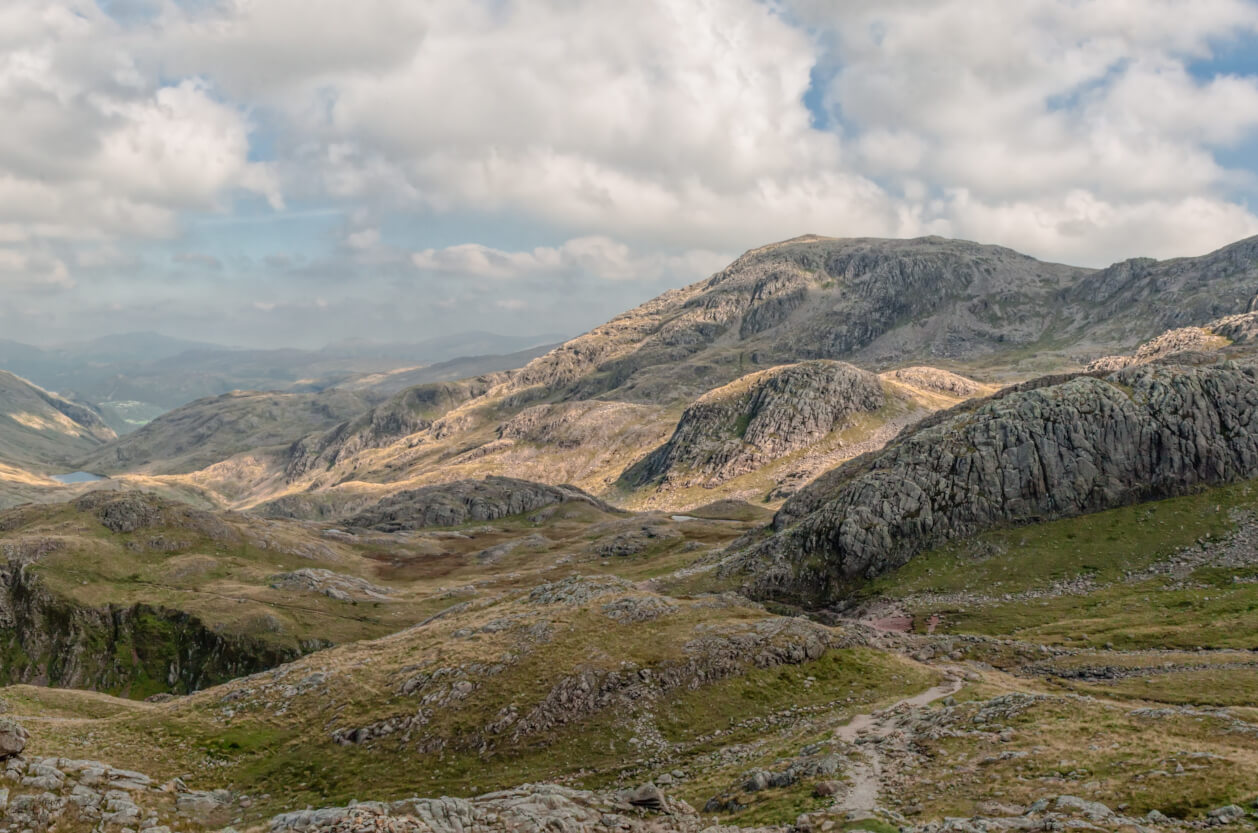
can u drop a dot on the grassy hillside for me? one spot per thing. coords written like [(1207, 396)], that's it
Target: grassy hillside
[(42, 432)]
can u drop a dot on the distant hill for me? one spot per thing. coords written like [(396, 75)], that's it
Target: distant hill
[(464, 367), (42, 431), (206, 431), (133, 377)]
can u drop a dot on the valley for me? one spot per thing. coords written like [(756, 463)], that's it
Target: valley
[(857, 534)]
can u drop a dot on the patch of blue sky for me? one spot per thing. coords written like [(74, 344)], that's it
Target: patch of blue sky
[(816, 99), (506, 231), (1237, 55)]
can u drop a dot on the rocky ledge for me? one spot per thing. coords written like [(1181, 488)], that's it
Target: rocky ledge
[(1056, 447)]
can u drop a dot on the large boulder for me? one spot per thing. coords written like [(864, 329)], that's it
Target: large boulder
[(13, 737)]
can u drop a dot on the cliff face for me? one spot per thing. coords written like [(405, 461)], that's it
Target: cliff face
[(761, 417), (134, 651), (1057, 447)]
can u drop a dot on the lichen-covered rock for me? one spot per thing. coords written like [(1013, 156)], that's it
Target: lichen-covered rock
[(1167, 344), (463, 501), (1057, 447), (739, 427), (13, 737), (333, 585)]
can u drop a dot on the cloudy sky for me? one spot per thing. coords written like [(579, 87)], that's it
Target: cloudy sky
[(265, 172)]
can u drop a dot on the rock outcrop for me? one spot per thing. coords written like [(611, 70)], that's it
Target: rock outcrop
[(333, 585), (465, 501), (1168, 344), (737, 428), (937, 381), (1236, 331), (131, 511), (1056, 447)]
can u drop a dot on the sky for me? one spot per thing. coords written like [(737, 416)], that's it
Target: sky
[(297, 172)]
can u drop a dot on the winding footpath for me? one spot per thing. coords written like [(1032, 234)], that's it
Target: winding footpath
[(866, 777)]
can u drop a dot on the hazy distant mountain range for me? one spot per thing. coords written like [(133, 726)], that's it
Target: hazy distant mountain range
[(133, 377)]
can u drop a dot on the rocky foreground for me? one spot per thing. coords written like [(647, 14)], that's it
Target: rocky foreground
[(62, 794)]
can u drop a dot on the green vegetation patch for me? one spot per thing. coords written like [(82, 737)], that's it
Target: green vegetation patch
[(1103, 546)]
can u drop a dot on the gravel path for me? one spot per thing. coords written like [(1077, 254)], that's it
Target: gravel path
[(866, 777)]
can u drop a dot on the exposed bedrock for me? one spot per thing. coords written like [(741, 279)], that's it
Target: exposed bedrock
[(737, 428), (1056, 447), (465, 501)]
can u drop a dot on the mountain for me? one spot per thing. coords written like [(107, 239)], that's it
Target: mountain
[(881, 303), (855, 535), (589, 411), (207, 431)]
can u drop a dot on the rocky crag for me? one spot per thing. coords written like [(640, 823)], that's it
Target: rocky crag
[(739, 427), (1056, 447)]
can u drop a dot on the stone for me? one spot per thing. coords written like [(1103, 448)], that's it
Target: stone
[(13, 737), (822, 789), (1228, 813), (647, 796)]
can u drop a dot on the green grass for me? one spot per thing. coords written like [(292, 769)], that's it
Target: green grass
[(1101, 546), (1210, 609), (1219, 687), (856, 676), (1129, 616)]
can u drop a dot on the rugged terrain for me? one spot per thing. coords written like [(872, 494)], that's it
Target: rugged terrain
[(589, 411), (1059, 446), (868, 535)]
